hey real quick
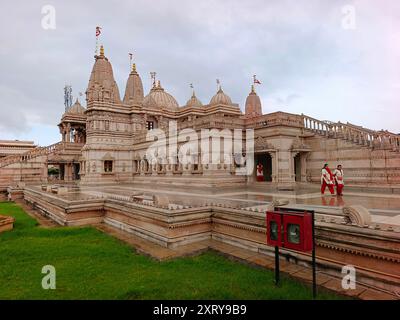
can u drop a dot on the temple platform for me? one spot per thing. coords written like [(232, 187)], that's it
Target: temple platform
[(176, 218)]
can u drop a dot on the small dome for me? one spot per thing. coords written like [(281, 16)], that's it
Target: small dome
[(220, 98), (194, 102), (160, 99), (253, 104), (76, 108)]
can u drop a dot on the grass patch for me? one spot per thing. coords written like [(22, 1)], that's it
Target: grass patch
[(93, 265)]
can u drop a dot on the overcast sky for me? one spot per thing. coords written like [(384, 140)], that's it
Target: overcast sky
[(310, 56)]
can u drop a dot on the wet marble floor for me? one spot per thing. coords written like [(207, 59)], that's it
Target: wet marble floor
[(244, 197)]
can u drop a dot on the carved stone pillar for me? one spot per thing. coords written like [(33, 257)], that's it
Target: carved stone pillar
[(285, 169), (274, 165), (68, 133), (303, 159)]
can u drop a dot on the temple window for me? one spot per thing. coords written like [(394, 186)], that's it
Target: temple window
[(108, 166), (150, 125)]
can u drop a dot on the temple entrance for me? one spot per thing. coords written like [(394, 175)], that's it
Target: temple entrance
[(266, 160), (62, 171), (297, 168), (76, 169)]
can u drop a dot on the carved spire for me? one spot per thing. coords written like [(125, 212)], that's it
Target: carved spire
[(134, 93), (253, 104)]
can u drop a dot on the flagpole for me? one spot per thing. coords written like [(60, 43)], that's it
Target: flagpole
[(130, 61), (98, 32)]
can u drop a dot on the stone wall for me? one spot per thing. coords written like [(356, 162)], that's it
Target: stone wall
[(362, 165), (374, 250)]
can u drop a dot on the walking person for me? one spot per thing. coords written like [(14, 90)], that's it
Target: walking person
[(338, 174), (326, 179), (260, 172)]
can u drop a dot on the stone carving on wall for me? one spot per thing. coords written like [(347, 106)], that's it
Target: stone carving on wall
[(357, 215), (261, 143)]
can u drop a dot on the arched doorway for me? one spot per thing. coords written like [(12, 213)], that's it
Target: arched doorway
[(297, 168), (266, 160)]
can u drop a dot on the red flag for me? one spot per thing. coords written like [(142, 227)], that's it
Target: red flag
[(257, 81), (98, 32)]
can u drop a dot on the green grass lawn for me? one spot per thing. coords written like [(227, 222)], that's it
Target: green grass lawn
[(92, 265)]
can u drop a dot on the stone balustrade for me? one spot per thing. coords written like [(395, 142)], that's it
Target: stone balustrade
[(37, 152), (275, 119), (355, 134)]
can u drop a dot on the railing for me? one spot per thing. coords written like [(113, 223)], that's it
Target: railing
[(353, 133), (275, 119), (40, 151)]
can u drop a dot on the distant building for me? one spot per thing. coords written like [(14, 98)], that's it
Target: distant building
[(12, 147)]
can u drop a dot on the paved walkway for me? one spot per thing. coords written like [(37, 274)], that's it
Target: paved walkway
[(249, 257)]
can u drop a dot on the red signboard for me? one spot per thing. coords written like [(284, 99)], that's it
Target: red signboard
[(274, 229), (291, 230)]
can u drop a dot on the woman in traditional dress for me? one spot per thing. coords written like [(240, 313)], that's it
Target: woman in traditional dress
[(327, 179)]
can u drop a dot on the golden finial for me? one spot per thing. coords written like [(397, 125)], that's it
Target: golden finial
[(253, 90), (134, 67), (101, 51)]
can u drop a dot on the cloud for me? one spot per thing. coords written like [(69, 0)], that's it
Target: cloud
[(306, 61)]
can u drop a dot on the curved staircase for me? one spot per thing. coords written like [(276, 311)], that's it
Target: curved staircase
[(23, 167), (354, 134)]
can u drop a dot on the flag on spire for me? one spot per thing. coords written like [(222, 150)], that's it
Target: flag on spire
[(98, 32), (130, 60), (256, 81)]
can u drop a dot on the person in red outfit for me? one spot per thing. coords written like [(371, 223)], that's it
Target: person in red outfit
[(326, 179), (338, 173), (260, 172)]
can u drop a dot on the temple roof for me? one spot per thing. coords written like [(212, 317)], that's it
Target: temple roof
[(158, 97), (134, 88), (102, 86), (253, 104), (220, 98), (194, 101), (76, 108)]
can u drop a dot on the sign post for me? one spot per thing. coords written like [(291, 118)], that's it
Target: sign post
[(277, 277), (292, 229), (314, 271)]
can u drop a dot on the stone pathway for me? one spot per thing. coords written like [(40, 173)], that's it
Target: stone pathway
[(294, 271)]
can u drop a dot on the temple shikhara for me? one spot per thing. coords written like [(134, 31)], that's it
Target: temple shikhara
[(142, 163)]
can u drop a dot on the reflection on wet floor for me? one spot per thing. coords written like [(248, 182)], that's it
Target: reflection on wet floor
[(246, 197), (367, 201)]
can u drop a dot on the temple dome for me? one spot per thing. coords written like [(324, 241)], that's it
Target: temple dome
[(159, 98), (134, 88), (102, 86), (253, 104), (221, 98), (194, 101), (76, 108)]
